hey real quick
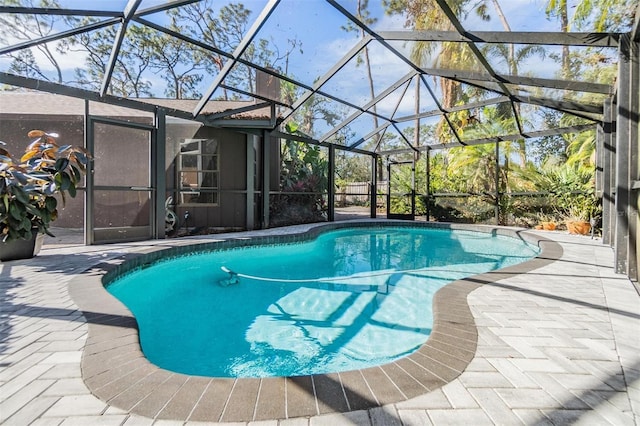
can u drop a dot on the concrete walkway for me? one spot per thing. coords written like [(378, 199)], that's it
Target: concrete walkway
[(559, 345)]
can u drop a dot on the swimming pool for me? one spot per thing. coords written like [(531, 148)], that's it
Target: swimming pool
[(348, 299)]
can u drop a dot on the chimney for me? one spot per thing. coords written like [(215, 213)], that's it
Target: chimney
[(267, 85)]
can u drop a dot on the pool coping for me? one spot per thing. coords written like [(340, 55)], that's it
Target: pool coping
[(116, 371)]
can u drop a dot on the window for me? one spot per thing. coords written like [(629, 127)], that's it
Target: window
[(198, 171)]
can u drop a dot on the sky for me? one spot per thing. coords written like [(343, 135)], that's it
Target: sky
[(318, 28)]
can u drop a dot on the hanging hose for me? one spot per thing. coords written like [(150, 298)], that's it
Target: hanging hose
[(235, 275)]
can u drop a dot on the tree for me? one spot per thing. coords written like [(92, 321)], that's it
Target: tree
[(18, 28), (478, 163), (427, 15), (314, 109), (178, 65), (558, 8), (224, 32), (303, 182), (592, 64), (594, 15), (553, 146), (604, 15), (363, 14), (514, 58), (132, 61), (24, 63), (353, 167)]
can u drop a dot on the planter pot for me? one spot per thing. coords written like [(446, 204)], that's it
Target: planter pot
[(547, 226), (21, 249), (579, 227)]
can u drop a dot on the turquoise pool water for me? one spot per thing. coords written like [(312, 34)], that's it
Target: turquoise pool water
[(349, 299)]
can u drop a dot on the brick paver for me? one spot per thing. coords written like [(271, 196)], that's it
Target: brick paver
[(559, 345)]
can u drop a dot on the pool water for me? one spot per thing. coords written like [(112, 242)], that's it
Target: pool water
[(347, 300)]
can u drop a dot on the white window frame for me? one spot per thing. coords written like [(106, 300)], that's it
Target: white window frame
[(196, 187)]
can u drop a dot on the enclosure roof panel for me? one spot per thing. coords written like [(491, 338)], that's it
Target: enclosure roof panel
[(359, 74)]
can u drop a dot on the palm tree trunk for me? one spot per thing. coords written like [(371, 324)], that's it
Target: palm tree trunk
[(513, 69), (512, 55)]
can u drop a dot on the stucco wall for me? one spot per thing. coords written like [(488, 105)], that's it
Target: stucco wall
[(232, 151), (124, 150)]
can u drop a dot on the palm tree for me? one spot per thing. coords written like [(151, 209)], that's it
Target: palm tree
[(604, 15), (514, 58), (362, 13), (559, 8), (478, 167), (481, 176), (427, 15)]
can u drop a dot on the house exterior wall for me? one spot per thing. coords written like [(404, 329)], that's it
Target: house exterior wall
[(115, 147), (230, 212)]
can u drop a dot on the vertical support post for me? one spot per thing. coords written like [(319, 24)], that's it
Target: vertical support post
[(331, 183), (413, 185), (497, 177), (599, 188), (252, 140), (603, 166), (608, 196), (158, 172), (88, 190), (416, 131), (623, 160), (416, 155), (374, 186), (266, 175), (428, 188), (634, 182), (388, 187)]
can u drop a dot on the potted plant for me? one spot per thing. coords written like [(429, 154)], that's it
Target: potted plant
[(581, 210), (28, 187), (573, 195), (545, 222)]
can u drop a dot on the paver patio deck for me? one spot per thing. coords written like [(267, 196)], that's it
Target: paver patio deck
[(557, 345)]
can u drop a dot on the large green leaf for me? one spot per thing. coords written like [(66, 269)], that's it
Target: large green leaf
[(291, 127), (20, 194), (61, 164), (66, 182), (51, 203), (26, 225), (31, 209), (77, 175), (57, 178)]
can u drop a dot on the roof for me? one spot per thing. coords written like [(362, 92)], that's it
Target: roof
[(40, 103)]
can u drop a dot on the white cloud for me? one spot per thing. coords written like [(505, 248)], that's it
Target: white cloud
[(66, 62)]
